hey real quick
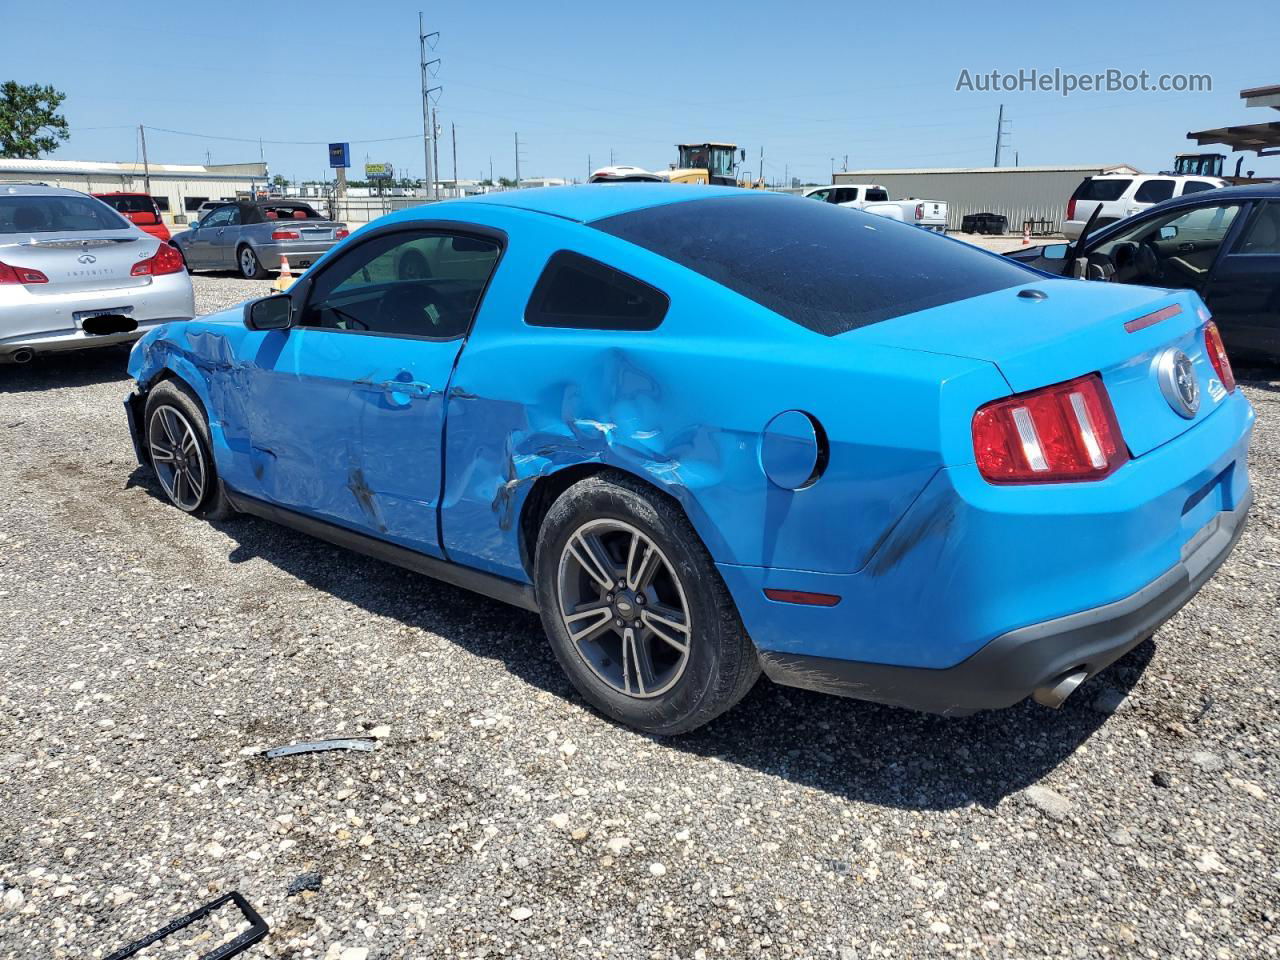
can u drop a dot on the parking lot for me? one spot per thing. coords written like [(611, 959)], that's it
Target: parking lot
[(151, 657)]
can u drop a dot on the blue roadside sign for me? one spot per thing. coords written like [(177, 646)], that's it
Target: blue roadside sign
[(339, 155)]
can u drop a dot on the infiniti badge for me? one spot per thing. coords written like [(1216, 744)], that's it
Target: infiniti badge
[(87, 258), (1178, 382)]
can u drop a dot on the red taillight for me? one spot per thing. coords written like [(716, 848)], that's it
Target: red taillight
[(10, 274), (286, 235), (919, 211), (1053, 435), (1071, 209), (165, 260), (341, 233), (1218, 356)]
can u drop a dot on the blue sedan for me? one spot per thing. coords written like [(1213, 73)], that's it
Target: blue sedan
[(706, 431)]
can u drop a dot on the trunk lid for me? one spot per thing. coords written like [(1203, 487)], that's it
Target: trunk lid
[(81, 263), (1077, 328), (307, 229)]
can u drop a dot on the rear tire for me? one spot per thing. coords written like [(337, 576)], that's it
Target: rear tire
[(176, 435), (656, 640), (251, 267)]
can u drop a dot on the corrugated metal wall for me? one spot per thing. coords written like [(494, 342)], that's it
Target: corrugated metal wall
[(1017, 194)]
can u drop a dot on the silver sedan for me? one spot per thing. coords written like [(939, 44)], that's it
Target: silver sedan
[(75, 274)]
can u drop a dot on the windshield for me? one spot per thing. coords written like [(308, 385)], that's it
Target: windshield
[(57, 214), (721, 161), (131, 204), (827, 268)]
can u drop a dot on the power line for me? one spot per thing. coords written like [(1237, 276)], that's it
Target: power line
[(286, 143)]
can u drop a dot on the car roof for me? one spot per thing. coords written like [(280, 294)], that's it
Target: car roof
[(121, 193), (1114, 175), (37, 190), (585, 202)]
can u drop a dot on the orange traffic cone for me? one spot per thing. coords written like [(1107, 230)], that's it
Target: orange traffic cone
[(285, 280), (1026, 234)]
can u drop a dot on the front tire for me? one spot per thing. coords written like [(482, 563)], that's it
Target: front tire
[(251, 267), (177, 438), (635, 610)]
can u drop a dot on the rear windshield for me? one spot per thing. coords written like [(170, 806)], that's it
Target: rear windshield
[(19, 215), (1098, 188), (298, 211), (130, 204), (830, 269)]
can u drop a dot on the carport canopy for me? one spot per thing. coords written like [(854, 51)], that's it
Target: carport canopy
[(1262, 138)]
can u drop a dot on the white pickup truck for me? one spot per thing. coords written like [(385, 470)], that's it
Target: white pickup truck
[(873, 198)]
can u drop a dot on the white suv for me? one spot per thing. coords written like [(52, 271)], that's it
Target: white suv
[(1122, 195)]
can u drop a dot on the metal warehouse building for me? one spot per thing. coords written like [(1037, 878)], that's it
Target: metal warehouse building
[(178, 188), (1018, 193)]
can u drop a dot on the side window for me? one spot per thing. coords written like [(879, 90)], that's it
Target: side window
[(877, 196), (846, 195), (819, 195), (1262, 235), (221, 217), (1195, 186), (409, 284), (1173, 250), (1153, 191), (575, 291)]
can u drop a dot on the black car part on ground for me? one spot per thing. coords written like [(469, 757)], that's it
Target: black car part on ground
[(241, 942)]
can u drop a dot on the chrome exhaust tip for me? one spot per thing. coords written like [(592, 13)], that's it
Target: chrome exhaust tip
[(1053, 695), (22, 356)]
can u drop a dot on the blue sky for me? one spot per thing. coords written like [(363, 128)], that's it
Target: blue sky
[(586, 78)]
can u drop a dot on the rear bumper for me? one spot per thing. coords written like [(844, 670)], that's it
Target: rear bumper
[(297, 251), (59, 341), (1012, 666), (45, 323)]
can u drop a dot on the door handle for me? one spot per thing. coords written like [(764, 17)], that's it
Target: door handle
[(410, 388)]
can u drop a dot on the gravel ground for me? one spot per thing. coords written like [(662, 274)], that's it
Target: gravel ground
[(149, 657)]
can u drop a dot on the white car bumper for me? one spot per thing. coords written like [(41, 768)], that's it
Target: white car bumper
[(41, 323)]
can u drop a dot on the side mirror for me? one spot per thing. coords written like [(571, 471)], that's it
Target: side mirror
[(1168, 233), (1080, 267), (194, 224), (1055, 251), (269, 313)]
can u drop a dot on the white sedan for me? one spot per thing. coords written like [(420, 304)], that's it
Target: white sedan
[(75, 274)]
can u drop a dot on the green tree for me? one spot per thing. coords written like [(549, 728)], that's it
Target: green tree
[(279, 181), (507, 182), (29, 122)]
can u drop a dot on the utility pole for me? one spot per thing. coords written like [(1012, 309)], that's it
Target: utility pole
[(845, 168), (453, 133), (1000, 122), (517, 161), (428, 133), (588, 168), (491, 169), (435, 153), (146, 168), (762, 165)]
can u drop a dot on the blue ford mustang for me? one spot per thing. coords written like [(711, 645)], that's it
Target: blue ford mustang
[(709, 431)]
